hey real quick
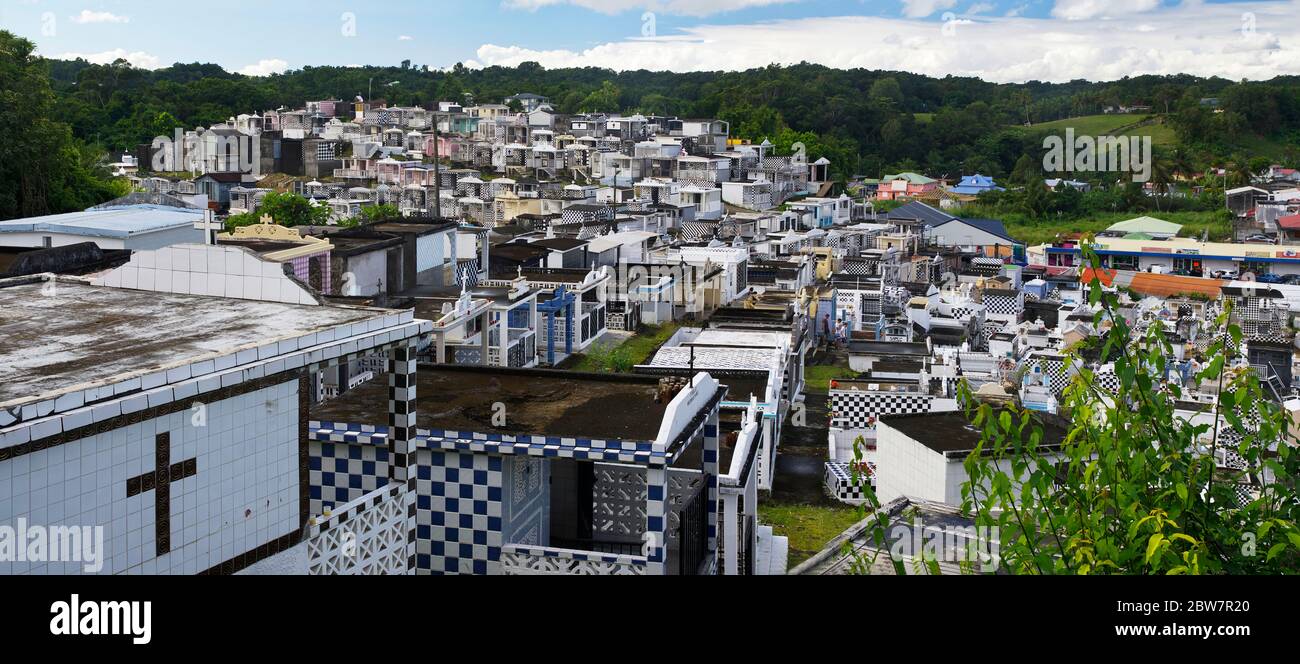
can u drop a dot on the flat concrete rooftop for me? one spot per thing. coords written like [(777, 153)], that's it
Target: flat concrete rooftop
[(537, 402), (739, 339), (77, 335), (952, 435)]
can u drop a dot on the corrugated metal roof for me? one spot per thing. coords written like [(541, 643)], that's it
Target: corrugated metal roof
[(1166, 285), (1146, 225), (120, 222)]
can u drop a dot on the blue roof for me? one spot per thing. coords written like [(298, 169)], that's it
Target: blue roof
[(977, 180), (976, 184), (120, 222)]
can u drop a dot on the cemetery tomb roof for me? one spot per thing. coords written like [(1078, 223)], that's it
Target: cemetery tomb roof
[(76, 336), (537, 402)]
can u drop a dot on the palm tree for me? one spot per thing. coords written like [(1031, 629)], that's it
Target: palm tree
[(1161, 179), (1180, 165), (1023, 98), (1239, 172)]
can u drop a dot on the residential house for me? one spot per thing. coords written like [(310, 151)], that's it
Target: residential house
[(974, 185), (905, 185)]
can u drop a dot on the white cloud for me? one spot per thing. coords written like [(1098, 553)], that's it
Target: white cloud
[(924, 8), (86, 17), (1194, 38), (680, 7), (138, 59), (406, 38), (980, 8), (265, 67), (1079, 10)]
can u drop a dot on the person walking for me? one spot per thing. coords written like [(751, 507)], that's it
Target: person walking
[(827, 339)]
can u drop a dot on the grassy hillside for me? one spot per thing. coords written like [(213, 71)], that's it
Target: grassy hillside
[(1092, 124), (1116, 125), (1161, 132)]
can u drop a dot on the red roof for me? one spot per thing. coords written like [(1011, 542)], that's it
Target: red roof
[(1168, 285), (1291, 223), (1107, 277)]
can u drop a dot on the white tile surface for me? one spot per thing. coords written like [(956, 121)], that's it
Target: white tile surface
[(244, 495)]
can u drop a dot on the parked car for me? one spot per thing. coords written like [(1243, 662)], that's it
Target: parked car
[(1270, 279), (1224, 274), (1259, 238)]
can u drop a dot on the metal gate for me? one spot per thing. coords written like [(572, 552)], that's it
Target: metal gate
[(693, 535)]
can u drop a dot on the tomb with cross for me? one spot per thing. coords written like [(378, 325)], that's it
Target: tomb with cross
[(159, 480)]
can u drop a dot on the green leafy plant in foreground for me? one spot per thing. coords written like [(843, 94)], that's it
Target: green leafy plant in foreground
[(1135, 488)]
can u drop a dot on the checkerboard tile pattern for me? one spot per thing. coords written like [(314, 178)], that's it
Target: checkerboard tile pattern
[(1107, 382), (458, 500), (656, 519), (841, 485), (458, 513), (459, 486), (1001, 305), (864, 267), (710, 456), (860, 410), (1057, 375), (988, 329), (341, 473)]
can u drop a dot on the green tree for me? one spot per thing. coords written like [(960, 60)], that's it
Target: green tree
[(887, 92), (1022, 99), (603, 100), (1028, 171), (371, 214), (1166, 96), (285, 209), (43, 169), (1162, 178)]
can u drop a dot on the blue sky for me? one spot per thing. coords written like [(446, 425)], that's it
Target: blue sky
[(996, 39)]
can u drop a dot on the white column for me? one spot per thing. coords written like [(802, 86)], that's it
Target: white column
[(731, 535), (751, 509), (504, 325)]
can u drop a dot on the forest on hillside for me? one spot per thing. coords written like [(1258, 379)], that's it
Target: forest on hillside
[(868, 123)]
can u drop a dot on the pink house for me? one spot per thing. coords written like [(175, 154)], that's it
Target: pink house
[(905, 185)]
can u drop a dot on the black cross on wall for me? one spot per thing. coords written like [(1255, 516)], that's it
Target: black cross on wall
[(160, 481)]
